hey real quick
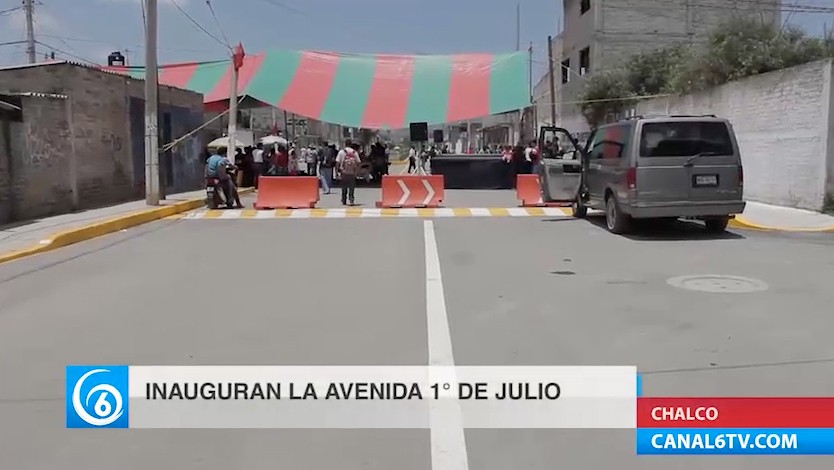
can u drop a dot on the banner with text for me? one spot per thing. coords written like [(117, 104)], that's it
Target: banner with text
[(350, 397)]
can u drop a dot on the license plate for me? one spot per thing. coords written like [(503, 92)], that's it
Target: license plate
[(210, 189), (706, 180)]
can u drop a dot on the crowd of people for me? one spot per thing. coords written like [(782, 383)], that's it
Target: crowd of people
[(327, 162), (331, 164)]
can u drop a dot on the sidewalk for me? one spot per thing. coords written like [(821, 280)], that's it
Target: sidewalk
[(768, 217), (22, 238)]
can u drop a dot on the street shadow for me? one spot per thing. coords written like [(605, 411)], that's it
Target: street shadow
[(678, 230), (562, 219), (17, 224)]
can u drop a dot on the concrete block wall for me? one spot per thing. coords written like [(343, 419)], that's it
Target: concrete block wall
[(42, 176), (100, 138), (783, 121)]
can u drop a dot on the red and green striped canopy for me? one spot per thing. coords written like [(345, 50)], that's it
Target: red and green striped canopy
[(364, 90)]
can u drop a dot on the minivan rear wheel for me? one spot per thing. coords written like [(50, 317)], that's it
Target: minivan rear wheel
[(615, 220), (717, 224)]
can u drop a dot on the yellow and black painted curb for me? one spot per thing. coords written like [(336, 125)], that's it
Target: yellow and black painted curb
[(115, 224)]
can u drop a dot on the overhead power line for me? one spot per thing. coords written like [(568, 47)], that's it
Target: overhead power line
[(9, 11), (199, 26), (217, 23), (68, 54)]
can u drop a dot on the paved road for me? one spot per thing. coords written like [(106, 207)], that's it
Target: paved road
[(520, 291)]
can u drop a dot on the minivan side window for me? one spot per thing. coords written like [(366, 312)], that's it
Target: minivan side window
[(685, 139), (610, 142)]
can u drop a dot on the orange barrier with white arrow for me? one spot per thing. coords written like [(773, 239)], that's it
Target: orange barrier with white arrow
[(407, 191)]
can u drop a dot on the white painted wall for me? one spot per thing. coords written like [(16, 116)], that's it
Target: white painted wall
[(785, 128)]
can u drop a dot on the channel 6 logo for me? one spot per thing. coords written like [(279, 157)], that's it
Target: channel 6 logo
[(97, 396)]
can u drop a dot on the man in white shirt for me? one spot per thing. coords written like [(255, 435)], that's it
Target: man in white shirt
[(347, 165), (412, 160), (258, 162)]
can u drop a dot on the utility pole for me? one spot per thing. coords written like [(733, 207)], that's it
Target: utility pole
[(551, 72), (232, 114), (152, 180), (286, 126), (518, 26), (518, 48), (530, 70), (532, 115), (29, 6)]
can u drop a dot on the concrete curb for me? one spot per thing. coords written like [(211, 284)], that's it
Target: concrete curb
[(742, 223), (87, 232)]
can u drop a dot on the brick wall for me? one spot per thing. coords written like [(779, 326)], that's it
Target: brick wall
[(94, 125), (783, 122)]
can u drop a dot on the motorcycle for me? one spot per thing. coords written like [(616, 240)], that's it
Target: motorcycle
[(215, 193)]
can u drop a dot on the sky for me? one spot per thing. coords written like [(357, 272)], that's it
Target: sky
[(88, 30)]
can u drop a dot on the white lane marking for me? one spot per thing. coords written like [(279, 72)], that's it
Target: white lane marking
[(553, 211), (408, 213), (518, 212), (230, 214), (480, 212), (405, 191), (335, 213), (444, 212), (430, 192), (371, 213), (448, 443)]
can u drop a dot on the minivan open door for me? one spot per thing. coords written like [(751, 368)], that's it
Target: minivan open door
[(562, 160)]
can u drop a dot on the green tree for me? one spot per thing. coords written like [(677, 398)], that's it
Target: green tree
[(654, 72), (606, 94), (743, 47), (738, 48)]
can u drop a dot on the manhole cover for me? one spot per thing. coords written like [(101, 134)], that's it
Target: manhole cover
[(718, 284)]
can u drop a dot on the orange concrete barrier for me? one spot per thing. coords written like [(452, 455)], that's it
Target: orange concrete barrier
[(287, 192), (528, 191), (412, 191)]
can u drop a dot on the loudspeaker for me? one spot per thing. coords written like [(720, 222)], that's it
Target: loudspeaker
[(438, 136), (419, 131)]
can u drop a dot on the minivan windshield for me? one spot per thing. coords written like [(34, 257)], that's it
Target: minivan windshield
[(685, 139)]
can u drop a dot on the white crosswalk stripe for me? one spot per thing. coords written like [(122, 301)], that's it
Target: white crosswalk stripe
[(370, 213)]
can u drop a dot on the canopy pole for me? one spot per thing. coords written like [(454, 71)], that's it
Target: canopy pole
[(232, 115), (237, 62)]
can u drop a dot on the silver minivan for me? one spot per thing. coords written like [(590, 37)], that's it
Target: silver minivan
[(665, 167)]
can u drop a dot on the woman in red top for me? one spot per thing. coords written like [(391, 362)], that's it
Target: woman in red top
[(282, 161)]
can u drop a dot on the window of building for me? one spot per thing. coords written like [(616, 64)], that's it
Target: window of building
[(565, 71), (584, 61), (585, 6)]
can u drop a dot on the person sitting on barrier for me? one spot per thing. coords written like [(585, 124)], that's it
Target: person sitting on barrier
[(348, 164)]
